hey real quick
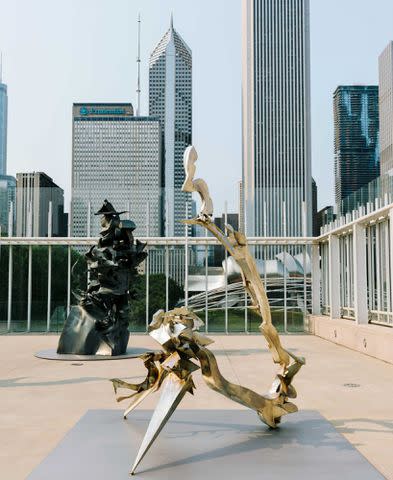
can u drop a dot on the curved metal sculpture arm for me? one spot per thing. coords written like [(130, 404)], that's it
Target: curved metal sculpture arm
[(270, 408), (236, 245)]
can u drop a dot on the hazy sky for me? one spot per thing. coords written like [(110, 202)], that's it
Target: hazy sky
[(64, 51)]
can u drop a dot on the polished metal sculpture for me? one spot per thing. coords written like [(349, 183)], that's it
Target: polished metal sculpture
[(171, 368), (99, 324)]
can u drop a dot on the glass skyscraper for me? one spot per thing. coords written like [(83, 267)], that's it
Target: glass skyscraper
[(170, 99), (385, 62), (7, 197), (276, 118), (356, 138), (116, 156), (3, 127)]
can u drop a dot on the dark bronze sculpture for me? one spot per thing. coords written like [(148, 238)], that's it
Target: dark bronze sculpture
[(99, 324)]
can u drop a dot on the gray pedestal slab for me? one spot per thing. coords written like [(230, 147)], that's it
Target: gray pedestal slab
[(205, 444)]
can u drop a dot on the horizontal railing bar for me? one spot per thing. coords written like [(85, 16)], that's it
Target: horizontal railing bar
[(154, 241), (375, 216)]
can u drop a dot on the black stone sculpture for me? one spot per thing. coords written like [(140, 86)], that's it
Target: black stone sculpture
[(99, 324)]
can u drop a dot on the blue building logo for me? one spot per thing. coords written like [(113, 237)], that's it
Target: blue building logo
[(101, 111)]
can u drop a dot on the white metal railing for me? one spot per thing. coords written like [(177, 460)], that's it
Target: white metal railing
[(169, 257), (351, 274), (356, 262)]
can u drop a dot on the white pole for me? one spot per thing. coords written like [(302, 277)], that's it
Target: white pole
[(69, 267), (284, 220), (206, 288), (147, 265), (186, 261), (29, 289), (226, 267), (48, 306)]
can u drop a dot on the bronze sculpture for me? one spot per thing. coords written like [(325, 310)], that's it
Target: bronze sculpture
[(172, 367), (99, 324)]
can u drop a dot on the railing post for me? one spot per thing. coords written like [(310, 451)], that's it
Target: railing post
[(206, 289), (334, 276), (147, 266), (315, 280), (166, 278), (186, 261), (360, 273), (390, 272), (69, 266), (226, 267), (48, 306), (9, 301), (29, 274)]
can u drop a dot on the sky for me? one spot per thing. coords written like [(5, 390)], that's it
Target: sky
[(64, 51)]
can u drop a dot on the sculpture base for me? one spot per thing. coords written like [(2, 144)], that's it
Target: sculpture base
[(51, 354), (80, 336), (206, 444)]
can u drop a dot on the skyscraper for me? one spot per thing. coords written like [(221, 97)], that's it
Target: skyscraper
[(356, 138), (3, 124), (7, 183), (34, 193), (115, 156), (385, 62), (7, 198), (170, 99), (276, 118)]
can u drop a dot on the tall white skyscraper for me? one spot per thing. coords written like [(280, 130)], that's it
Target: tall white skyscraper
[(276, 118), (170, 99), (385, 62), (115, 156)]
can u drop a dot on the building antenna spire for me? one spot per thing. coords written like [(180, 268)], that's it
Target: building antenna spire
[(171, 20), (138, 63)]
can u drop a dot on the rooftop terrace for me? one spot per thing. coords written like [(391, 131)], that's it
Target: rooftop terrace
[(42, 400)]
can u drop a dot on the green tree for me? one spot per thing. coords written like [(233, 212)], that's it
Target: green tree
[(157, 294)]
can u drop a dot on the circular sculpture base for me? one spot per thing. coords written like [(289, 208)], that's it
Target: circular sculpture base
[(51, 354)]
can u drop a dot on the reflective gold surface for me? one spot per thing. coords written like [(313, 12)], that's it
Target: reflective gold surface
[(184, 349)]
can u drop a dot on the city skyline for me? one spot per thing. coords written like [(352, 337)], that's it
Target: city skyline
[(87, 69)]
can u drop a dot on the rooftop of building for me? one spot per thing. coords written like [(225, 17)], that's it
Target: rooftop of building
[(42, 400)]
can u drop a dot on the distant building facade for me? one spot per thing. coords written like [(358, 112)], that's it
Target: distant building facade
[(356, 138), (323, 217), (170, 99), (116, 156), (314, 190), (385, 63), (218, 250), (7, 183), (241, 207), (3, 127), (7, 204), (276, 118), (35, 192)]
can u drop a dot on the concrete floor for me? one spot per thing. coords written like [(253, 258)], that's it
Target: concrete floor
[(41, 400)]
